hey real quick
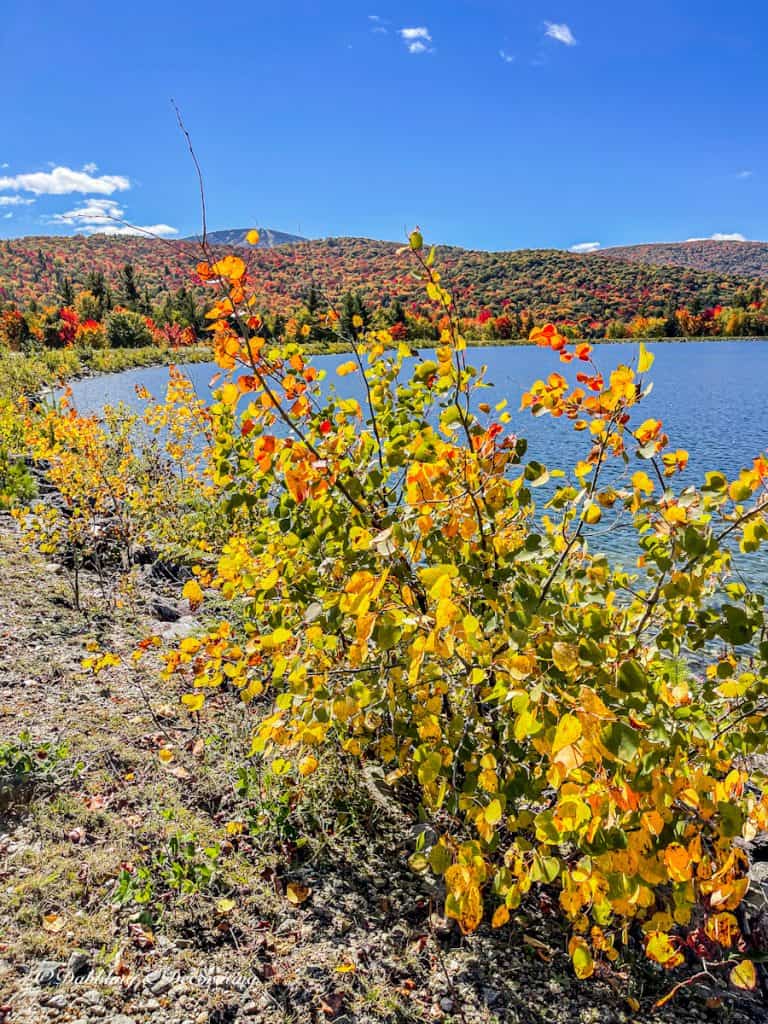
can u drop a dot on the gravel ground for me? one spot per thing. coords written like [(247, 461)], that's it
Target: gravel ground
[(365, 940)]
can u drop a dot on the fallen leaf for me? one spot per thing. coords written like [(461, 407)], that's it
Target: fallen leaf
[(297, 893), (53, 923)]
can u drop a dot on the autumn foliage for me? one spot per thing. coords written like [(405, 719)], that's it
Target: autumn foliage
[(392, 587), (398, 593)]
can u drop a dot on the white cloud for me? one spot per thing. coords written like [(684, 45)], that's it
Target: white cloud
[(720, 237), (63, 181), (585, 247), (5, 166), (506, 57), (7, 216), (561, 33), (162, 230), (90, 168), (417, 39), (106, 217), (745, 174), (15, 201)]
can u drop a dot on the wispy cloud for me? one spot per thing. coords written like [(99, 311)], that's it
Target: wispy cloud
[(63, 181), (743, 175), (417, 40), (585, 247), (15, 201), (720, 236), (506, 57), (379, 24), (562, 33), (106, 217)]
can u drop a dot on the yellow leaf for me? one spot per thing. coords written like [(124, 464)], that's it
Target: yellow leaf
[(230, 394), (567, 732), (308, 765), (744, 975), (565, 657), (252, 238), (493, 812), (297, 893), (224, 905), (583, 964), (344, 968), (500, 917), (165, 755), (193, 701), (660, 949), (723, 928), (53, 923), (193, 593), (645, 360), (345, 368), (592, 514)]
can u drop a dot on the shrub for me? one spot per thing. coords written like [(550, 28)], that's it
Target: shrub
[(394, 591), (126, 329)]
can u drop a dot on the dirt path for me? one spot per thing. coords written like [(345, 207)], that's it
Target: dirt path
[(134, 891)]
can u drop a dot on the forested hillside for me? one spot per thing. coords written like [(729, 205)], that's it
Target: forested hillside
[(596, 294), (749, 259)]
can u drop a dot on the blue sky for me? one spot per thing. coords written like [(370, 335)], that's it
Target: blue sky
[(491, 123)]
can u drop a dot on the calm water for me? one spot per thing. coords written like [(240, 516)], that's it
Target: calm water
[(711, 397)]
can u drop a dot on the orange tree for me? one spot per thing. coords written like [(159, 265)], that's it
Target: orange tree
[(395, 593)]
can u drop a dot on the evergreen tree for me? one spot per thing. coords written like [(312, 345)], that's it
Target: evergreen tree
[(129, 288), (66, 291)]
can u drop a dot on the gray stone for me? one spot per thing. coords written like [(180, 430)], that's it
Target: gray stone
[(50, 972), (59, 1002), (121, 1018), (79, 963), (164, 611), (158, 982)]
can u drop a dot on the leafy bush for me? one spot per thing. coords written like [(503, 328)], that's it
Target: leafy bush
[(395, 591), (17, 485), (126, 329)]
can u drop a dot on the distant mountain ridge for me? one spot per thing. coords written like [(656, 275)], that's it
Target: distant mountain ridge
[(744, 259), (588, 291), (268, 238)]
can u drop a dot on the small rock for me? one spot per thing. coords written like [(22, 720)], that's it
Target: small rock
[(49, 972), (446, 1005), (79, 964), (251, 1009), (92, 997), (121, 1018), (157, 982), (164, 611), (59, 1002)]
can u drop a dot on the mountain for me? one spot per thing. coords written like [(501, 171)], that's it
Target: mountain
[(236, 236), (748, 259), (588, 290)]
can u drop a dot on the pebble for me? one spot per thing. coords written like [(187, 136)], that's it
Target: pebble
[(158, 982), (49, 972), (59, 1002), (121, 1018), (79, 964)]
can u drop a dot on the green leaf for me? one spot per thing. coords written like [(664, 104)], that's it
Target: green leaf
[(622, 740)]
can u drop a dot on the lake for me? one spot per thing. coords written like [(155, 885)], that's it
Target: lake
[(711, 397)]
